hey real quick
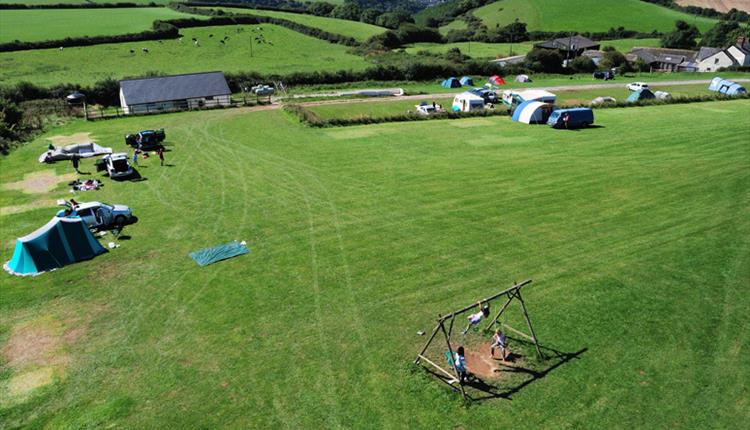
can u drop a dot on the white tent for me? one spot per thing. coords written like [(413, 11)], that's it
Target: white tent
[(523, 78)]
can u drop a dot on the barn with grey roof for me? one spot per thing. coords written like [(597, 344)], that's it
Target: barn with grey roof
[(177, 92)]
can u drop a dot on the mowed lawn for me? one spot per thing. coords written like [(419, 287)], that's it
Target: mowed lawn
[(499, 50), (48, 24), (355, 29), (288, 52), (582, 15), (636, 234)]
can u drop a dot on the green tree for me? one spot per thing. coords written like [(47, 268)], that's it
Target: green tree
[(369, 15), (394, 18), (544, 60), (583, 64), (349, 10), (320, 8), (683, 37)]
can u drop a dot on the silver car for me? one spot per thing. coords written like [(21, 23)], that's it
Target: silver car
[(98, 215)]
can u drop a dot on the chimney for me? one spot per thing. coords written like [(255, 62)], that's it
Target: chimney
[(741, 41)]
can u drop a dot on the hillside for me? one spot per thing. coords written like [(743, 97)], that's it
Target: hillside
[(720, 5), (586, 15), (355, 29), (44, 24)]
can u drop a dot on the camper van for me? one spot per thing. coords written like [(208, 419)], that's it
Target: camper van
[(514, 98), (571, 118), (467, 102)]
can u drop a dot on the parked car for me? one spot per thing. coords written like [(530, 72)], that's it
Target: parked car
[(146, 140), (98, 215), (571, 118), (425, 109), (488, 95), (607, 75), (637, 86), (116, 165)]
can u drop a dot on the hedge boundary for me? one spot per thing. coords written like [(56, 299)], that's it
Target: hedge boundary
[(312, 119), (118, 5)]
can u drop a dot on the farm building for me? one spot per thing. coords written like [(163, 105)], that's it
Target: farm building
[(177, 92), (713, 59), (569, 47), (665, 60)]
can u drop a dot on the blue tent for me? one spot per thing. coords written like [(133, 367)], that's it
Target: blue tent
[(451, 83), (60, 242), (532, 112), (726, 87), (644, 94), (467, 81)]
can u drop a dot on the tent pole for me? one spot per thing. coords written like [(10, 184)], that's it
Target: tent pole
[(531, 329)]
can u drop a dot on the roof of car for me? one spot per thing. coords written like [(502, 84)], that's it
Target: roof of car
[(119, 155), (87, 205)]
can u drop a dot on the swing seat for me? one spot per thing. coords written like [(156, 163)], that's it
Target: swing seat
[(449, 359)]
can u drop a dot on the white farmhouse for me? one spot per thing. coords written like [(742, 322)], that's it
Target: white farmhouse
[(177, 92)]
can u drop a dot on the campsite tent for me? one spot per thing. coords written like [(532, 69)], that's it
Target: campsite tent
[(467, 81), (81, 150), (644, 94), (726, 87), (523, 78), (60, 242), (496, 80), (451, 83), (532, 112)]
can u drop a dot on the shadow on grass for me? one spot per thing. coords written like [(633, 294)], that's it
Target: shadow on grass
[(480, 390)]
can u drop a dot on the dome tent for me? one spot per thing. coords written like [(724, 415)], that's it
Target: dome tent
[(644, 94), (451, 83), (496, 80), (467, 81), (60, 242)]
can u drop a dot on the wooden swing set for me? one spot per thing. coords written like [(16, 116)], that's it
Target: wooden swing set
[(510, 294)]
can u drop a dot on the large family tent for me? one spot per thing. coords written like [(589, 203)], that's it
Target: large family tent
[(532, 112), (644, 94), (726, 87), (451, 83), (496, 80), (467, 81), (60, 242)]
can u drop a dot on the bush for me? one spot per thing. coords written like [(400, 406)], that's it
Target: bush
[(583, 64), (683, 37), (544, 60)]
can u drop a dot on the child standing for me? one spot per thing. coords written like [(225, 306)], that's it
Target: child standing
[(460, 363), (499, 341)]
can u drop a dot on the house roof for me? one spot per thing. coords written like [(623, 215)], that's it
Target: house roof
[(176, 87), (706, 52), (744, 47), (663, 55), (572, 43)]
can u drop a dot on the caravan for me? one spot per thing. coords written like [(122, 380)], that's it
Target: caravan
[(467, 102)]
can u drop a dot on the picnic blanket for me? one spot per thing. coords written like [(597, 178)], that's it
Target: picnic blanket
[(207, 256)]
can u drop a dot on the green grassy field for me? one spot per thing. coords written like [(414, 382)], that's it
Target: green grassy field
[(357, 30), (582, 15), (635, 233), (46, 24), (290, 52), (499, 50)]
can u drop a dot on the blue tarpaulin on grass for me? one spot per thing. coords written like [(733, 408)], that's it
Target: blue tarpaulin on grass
[(207, 256)]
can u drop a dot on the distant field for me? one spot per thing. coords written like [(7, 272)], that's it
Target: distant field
[(582, 15), (290, 52), (720, 5), (498, 50), (45, 24), (357, 30)]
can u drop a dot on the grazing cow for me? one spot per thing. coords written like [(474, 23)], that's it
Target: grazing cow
[(132, 51), (226, 37), (61, 48), (179, 40), (194, 39), (221, 41), (196, 43), (210, 35), (145, 50)]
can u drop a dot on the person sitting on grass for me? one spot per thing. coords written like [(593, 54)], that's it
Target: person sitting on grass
[(499, 341), (475, 319), (460, 363)]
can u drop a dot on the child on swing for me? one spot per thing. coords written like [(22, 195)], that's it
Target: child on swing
[(475, 319)]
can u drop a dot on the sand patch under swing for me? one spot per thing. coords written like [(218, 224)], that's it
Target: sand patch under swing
[(481, 364)]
